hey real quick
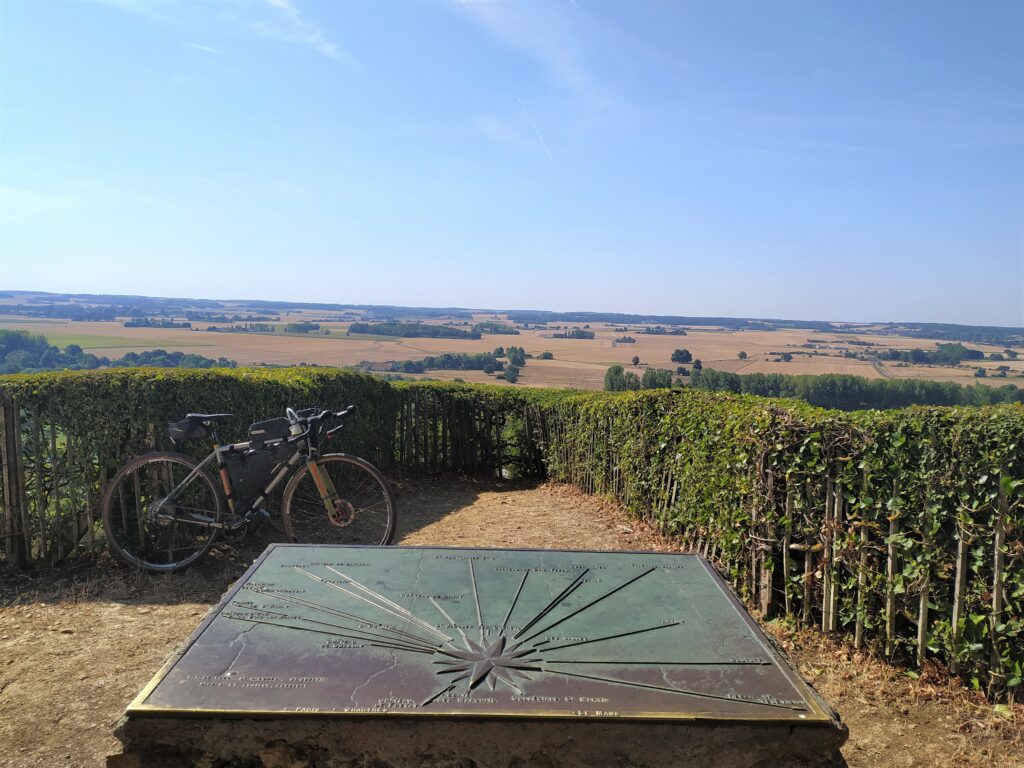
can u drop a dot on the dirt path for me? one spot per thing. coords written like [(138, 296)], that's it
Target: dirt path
[(75, 648)]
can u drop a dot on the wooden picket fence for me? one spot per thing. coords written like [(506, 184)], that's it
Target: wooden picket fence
[(901, 531)]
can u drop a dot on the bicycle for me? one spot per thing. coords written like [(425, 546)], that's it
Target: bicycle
[(162, 511)]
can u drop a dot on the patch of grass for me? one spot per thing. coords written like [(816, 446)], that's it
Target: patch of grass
[(369, 337), (96, 341), (10, 322)]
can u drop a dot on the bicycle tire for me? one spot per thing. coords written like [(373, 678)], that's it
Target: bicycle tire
[(363, 488), (134, 537)]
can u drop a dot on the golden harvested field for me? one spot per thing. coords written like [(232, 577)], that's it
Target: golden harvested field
[(578, 363)]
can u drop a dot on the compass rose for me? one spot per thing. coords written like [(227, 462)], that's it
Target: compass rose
[(508, 658)]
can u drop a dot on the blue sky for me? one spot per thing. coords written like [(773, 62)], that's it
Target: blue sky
[(825, 160)]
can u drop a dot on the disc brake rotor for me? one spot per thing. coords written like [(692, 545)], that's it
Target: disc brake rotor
[(344, 514)]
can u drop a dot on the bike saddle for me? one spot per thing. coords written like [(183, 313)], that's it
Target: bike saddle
[(208, 416)]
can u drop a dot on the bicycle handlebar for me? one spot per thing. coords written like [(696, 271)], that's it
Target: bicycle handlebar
[(307, 416)]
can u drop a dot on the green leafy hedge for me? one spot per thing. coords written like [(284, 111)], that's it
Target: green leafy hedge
[(901, 529)]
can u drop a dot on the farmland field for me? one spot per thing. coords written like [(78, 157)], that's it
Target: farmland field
[(577, 363)]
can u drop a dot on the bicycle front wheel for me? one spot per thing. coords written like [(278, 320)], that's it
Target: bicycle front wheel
[(366, 510), (146, 529)]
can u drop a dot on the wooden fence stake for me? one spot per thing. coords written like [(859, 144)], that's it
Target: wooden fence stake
[(826, 558), (959, 588), (18, 547), (786, 541), (837, 520), (890, 581), (996, 676)]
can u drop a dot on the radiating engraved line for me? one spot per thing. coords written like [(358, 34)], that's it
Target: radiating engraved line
[(620, 663), (589, 605), (547, 608), (424, 646), (669, 690), (402, 611), (343, 614), (438, 695), (442, 692), (507, 679), (611, 637), (476, 599), (514, 601), (451, 621), (393, 646)]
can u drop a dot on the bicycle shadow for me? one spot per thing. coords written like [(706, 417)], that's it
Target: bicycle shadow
[(421, 502)]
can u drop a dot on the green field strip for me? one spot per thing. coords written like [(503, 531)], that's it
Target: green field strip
[(96, 341)]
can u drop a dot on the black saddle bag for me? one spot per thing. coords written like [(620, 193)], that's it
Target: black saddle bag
[(187, 430)]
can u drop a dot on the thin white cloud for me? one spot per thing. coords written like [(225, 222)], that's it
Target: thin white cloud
[(536, 131), (291, 27), (499, 132), (22, 199), (204, 48), (544, 33)]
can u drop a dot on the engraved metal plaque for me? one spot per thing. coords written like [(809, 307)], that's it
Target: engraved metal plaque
[(380, 631)]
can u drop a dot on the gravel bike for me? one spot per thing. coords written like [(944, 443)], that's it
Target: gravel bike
[(162, 511)]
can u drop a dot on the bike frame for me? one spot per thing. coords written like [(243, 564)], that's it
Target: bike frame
[(324, 484)]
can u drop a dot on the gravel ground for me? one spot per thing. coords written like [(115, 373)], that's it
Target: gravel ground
[(77, 645)]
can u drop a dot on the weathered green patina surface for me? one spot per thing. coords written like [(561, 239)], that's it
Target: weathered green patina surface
[(412, 632)]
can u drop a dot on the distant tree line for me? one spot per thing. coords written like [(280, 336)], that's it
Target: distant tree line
[(413, 330), (943, 354), (155, 322), (22, 352), (497, 328), (574, 333), (851, 393), (659, 330), (266, 328), (448, 361), (301, 327), (618, 379)]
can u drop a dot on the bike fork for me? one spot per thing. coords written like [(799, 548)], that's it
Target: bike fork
[(325, 487)]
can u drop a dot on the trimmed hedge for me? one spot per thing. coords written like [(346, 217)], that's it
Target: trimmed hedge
[(901, 528)]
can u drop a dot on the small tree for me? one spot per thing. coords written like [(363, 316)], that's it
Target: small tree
[(546, 356), (683, 370), (981, 373), (742, 355), (786, 357), (516, 356), (698, 365), (636, 360), (615, 379), (682, 356), (656, 378), (511, 374)]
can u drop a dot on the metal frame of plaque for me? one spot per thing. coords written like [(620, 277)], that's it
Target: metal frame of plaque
[(333, 631)]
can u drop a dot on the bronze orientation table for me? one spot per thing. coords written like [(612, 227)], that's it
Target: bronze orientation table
[(409, 656)]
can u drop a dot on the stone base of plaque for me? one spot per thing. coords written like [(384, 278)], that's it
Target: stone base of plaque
[(443, 743), (402, 657)]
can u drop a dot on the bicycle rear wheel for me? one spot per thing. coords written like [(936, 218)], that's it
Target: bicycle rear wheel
[(145, 530), (367, 508)]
